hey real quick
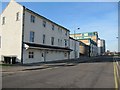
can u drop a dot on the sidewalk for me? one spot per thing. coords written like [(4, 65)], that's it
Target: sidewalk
[(25, 67)]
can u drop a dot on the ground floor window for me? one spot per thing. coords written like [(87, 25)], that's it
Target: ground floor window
[(31, 55), (65, 54)]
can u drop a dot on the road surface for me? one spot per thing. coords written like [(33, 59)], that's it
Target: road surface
[(74, 75)]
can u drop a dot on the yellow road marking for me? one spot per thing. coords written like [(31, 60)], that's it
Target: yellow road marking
[(115, 76)]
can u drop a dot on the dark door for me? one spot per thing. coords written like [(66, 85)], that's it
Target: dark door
[(7, 60), (13, 60)]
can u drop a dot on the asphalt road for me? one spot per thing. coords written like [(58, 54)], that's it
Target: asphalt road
[(76, 75)]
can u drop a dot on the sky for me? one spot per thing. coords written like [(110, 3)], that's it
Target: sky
[(88, 16)]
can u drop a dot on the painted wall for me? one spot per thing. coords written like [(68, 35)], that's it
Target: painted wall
[(39, 30), (12, 31), (93, 50), (101, 46), (72, 46), (48, 55)]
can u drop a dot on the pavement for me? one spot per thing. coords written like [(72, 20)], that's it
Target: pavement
[(24, 67)]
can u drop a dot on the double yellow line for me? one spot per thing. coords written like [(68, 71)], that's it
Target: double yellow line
[(116, 75)]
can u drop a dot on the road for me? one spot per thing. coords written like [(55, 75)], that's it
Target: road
[(74, 75)]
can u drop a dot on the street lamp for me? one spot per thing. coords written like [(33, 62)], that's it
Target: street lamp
[(118, 44), (75, 43), (75, 32)]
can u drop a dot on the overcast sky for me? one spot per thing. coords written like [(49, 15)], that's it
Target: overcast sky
[(88, 16)]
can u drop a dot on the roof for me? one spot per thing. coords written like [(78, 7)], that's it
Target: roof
[(74, 39), (36, 14), (47, 46)]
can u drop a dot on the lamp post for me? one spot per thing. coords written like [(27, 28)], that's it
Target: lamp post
[(75, 32), (75, 52), (118, 44)]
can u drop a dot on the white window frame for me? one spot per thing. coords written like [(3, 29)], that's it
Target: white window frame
[(52, 40), (17, 16), (32, 36), (32, 19), (65, 42), (53, 27), (44, 23), (31, 54), (0, 42), (3, 20), (43, 38)]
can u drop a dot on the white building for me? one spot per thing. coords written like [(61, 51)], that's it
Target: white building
[(101, 46), (28, 37), (75, 46)]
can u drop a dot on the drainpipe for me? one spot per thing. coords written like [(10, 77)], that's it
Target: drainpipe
[(23, 24)]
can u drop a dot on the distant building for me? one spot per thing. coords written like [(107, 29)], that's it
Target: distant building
[(101, 46), (92, 50), (92, 35), (84, 49), (90, 40)]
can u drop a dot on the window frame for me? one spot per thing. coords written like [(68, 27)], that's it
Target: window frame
[(17, 16), (53, 27), (66, 33), (52, 40), (58, 42), (0, 42), (43, 38), (32, 36), (44, 23), (3, 20), (30, 54), (32, 18), (65, 42)]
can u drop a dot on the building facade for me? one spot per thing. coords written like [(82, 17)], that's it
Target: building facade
[(90, 40), (92, 35), (84, 49), (101, 46), (91, 47), (74, 45), (28, 37)]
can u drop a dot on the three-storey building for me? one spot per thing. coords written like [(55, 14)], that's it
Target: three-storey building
[(28, 37)]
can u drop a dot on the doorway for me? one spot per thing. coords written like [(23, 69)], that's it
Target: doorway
[(9, 60), (43, 55)]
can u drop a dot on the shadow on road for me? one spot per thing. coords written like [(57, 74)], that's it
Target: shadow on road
[(73, 62), (65, 63)]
